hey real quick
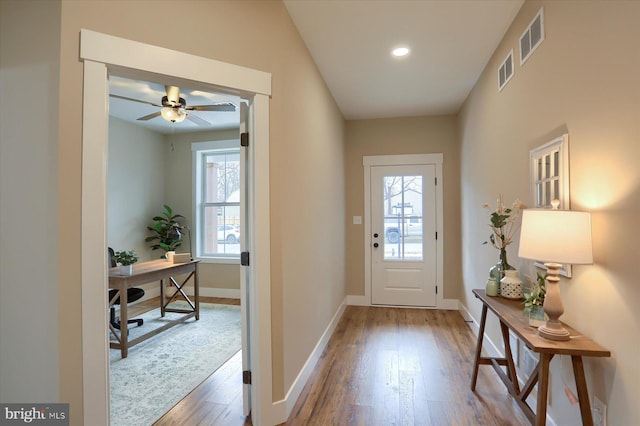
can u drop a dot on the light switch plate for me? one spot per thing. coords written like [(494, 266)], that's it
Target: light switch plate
[(357, 220)]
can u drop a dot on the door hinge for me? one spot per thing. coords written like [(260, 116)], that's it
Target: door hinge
[(244, 258), (246, 377), (436, 235), (244, 139), (436, 289), (436, 179)]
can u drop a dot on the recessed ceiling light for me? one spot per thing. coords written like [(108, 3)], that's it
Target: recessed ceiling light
[(400, 51)]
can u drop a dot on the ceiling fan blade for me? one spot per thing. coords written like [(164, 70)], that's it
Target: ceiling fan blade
[(224, 107), (173, 94), (150, 116), (197, 120), (135, 100)]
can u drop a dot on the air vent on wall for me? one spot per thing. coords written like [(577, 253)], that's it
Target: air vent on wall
[(505, 71), (532, 37)]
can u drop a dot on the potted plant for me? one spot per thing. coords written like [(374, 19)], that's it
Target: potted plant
[(535, 299), (126, 259), (161, 226)]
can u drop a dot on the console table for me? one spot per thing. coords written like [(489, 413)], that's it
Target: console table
[(147, 272), (509, 312)]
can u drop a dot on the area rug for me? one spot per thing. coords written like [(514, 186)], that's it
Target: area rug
[(162, 370)]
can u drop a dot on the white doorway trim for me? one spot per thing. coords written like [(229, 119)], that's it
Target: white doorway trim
[(398, 160), (101, 54)]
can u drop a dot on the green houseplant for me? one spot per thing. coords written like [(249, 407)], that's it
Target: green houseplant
[(535, 299), (161, 226), (126, 259)]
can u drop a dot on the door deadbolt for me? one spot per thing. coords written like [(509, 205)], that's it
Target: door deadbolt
[(376, 245), (375, 235)]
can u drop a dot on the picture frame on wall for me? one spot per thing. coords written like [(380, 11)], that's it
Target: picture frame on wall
[(549, 179)]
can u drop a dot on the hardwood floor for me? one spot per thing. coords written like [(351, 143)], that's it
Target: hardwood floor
[(382, 366)]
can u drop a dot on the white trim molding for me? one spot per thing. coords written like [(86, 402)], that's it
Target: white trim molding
[(102, 55)]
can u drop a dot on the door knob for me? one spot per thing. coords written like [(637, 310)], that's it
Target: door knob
[(376, 245)]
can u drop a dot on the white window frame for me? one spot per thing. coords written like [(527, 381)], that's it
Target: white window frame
[(199, 150), (557, 147)]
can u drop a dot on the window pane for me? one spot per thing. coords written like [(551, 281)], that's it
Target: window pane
[(222, 177), (547, 166), (556, 157), (540, 168), (403, 219), (222, 230)]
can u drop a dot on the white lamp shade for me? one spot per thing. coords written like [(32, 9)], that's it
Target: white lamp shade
[(560, 236)]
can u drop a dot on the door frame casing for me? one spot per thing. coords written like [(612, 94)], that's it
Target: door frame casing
[(101, 53), (403, 160)]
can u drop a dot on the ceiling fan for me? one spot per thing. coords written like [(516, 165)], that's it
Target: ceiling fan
[(175, 109)]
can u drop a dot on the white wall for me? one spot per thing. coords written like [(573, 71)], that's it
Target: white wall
[(136, 191), (29, 74)]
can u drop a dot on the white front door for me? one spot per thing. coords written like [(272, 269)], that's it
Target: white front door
[(403, 235)]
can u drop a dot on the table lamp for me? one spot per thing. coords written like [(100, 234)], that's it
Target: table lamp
[(555, 237), (175, 234)]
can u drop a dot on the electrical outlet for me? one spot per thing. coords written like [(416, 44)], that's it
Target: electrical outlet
[(599, 412)]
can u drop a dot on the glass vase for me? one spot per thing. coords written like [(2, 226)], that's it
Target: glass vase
[(537, 317), (497, 271)]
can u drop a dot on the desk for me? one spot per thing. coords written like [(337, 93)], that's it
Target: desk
[(509, 312), (146, 272)]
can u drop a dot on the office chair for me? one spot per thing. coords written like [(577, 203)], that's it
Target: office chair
[(133, 294)]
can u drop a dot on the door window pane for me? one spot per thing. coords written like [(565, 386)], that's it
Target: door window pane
[(402, 213)]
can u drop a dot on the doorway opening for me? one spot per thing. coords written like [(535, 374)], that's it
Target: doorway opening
[(150, 166), (103, 54)]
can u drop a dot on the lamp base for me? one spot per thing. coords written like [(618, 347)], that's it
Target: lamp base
[(553, 330)]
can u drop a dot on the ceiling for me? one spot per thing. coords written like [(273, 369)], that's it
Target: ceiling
[(451, 42)]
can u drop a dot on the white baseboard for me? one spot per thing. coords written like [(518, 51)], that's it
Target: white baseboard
[(353, 300), (283, 407), (446, 304), (225, 293), (449, 304)]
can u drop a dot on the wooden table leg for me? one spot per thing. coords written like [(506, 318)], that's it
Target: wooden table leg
[(543, 388), (476, 363), (583, 393), (124, 317), (163, 297), (511, 368), (196, 291)]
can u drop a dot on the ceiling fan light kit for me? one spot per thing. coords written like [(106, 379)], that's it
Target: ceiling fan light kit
[(173, 114)]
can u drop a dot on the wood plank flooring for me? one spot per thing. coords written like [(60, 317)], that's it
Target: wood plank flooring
[(382, 366)]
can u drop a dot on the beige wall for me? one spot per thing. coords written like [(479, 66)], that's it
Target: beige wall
[(135, 189), (29, 74), (411, 135), (583, 80), (307, 176)]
